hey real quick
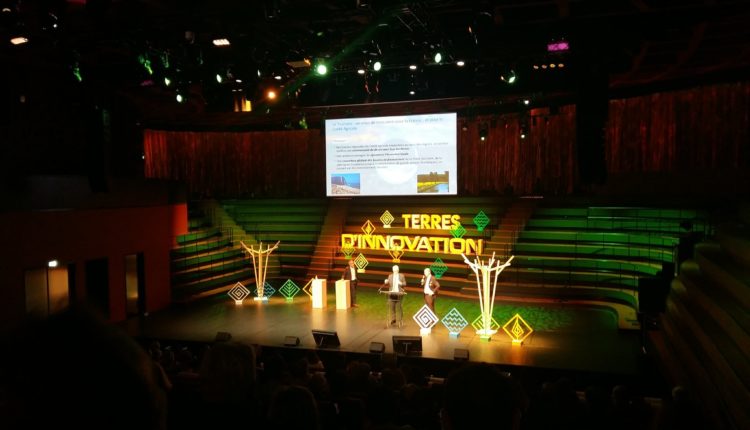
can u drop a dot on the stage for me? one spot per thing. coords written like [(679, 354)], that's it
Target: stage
[(565, 336)]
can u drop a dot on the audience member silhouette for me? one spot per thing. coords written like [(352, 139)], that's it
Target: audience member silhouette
[(74, 370), (478, 394)]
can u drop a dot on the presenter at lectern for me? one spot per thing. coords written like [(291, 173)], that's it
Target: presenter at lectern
[(350, 274), (396, 283), (430, 285)]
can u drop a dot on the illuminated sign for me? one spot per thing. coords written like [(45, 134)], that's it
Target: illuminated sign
[(289, 290), (425, 319), (238, 292), (431, 244), (396, 254), (361, 263), (517, 329), (386, 219), (454, 322), (265, 293)]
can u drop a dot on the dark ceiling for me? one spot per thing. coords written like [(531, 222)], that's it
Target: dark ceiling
[(127, 48)]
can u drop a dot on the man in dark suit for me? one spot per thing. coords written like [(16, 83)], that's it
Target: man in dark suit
[(350, 274)]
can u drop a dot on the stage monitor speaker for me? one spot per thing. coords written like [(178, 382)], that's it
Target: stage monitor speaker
[(377, 347), (291, 341), (407, 345), (461, 354), (326, 339), (222, 336)]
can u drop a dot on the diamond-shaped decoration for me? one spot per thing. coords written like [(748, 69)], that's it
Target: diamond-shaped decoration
[(268, 290), (478, 323), (368, 228), (238, 292), (517, 329), (361, 262), (307, 288), (454, 321), (458, 231), (396, 253), (347, 250), (289, 289), (386, 219), (481, 220), (438, 268), (425, 318)]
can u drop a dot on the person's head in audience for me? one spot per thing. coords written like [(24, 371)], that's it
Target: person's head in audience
[(74, 370), (228, 373), (293, 407), (477, 394)]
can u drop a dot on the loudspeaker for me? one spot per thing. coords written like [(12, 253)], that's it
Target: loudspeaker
[(222, 336), (377, 347), (326, 339), (291, 341), (652, 294), (461, 354), (407, 345)]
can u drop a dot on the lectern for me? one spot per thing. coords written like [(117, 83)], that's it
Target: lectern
[(343, 295), (395, 306), (319, 293)]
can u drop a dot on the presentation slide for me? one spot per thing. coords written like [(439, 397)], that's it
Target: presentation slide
[(391, 156)]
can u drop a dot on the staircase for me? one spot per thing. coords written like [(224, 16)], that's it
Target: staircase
[(329, 241), (511, 225), (207, 260)]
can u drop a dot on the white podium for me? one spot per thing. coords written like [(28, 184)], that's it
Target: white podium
[(319, 294), (343, 295)]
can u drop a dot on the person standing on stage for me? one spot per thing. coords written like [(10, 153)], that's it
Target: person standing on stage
[(350, 274), (431, 287), (396, 283)]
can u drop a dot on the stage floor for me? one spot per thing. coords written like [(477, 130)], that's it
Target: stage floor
[(565, 336)]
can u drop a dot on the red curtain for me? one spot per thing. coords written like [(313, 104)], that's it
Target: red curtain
[(704, 128), (698, 129), (224, 164)]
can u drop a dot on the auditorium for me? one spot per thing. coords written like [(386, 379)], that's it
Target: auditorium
[(382, 214)]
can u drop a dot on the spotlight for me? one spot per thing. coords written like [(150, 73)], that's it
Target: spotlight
[(360, 71), (321, 69), (523, 135), (509, 77), (221, 42), (271, 95), (560, 65), (377, 66), (411, 92), (438, 57), (52, 263), (412, 67), (460, 63), (179, 98), (219, 79), (526, 101), (77, 72), (167, 81), (20, 40), (277, 77), (483, 132), (536, 67), (558, 46)]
